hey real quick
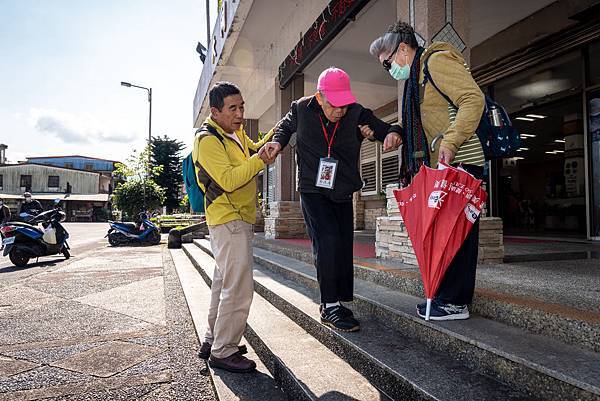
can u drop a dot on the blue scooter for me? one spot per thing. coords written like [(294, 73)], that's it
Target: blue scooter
[(129, 233), (23, 241)]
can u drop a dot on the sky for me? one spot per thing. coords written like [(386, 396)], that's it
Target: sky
[(62, 62)]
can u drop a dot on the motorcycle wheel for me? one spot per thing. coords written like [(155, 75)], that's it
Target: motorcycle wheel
[(112, 240), (66, 253), (18, 259), (154, 237)]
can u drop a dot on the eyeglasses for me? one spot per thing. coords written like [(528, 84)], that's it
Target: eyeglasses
[(387, 64)]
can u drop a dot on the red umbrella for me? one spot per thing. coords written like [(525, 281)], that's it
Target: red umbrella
[(438, 209)]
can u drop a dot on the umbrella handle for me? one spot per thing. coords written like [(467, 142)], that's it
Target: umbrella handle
[(437, 138), (428, 310)]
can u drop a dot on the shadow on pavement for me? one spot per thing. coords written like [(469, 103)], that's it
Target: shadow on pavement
[(45, 263)]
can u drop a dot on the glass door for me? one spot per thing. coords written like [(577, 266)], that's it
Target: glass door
[(594, 158)]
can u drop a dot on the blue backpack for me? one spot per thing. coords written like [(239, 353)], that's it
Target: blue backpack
[(498, 140), (194, 192)]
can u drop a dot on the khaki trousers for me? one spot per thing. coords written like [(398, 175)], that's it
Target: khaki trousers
[(232, 286)]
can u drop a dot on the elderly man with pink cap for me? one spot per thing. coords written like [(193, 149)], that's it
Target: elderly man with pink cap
[(330, 127)]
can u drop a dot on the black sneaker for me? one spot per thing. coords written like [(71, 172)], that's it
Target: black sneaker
[(345, 311), (443, 311), (334, 317)]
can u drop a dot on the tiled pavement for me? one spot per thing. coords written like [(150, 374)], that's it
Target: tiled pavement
[(111, 325)]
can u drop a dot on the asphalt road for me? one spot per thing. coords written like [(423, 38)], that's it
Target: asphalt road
[(84, 237)]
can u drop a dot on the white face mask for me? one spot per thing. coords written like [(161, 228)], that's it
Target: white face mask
[(1, 204)]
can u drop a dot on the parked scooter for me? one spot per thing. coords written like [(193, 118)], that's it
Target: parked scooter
[(23, 241), (129, 233)]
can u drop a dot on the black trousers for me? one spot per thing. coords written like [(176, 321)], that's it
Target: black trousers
[(330, 227), (458, 284)]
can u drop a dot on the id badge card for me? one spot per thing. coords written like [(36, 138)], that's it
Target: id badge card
[(326, 173)]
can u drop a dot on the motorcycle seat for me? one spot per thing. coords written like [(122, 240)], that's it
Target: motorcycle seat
[(26, 225), (131, 227)]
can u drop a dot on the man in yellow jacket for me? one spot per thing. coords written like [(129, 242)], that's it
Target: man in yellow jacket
[(225, 172), (436, 130)]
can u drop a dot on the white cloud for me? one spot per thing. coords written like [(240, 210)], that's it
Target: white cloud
[(76, 129)]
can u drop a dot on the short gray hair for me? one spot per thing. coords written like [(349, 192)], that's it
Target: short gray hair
[(384, 44)]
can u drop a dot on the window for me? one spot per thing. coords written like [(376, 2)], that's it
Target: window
[(390, 167), (53, 181), (89, 166), (68, 165), (368, 167), (26, 182), (378, 168), (1, 181)]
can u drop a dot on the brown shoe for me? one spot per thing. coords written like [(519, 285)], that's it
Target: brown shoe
[(204, 352), (234, 363)]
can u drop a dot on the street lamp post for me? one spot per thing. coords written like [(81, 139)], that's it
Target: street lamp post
[(129, 85)]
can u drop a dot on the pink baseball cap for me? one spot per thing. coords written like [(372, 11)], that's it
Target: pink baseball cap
[(335, 84)]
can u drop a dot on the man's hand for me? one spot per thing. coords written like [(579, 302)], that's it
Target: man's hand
[(445, 155), (367, 132), (272, 149), (392, 141), (264, 155)]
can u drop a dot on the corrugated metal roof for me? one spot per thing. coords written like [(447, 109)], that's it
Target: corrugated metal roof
[(48, 166), (72, 197)]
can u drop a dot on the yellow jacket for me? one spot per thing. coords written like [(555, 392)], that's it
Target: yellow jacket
[(225, 172), (450, 73)]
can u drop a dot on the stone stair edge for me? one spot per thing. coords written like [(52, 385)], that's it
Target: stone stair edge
[(295, 388), (410, 390), (227, 386), (502, 354), (381, 372), (414, 276)]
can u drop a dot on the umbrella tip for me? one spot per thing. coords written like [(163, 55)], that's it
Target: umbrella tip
[(428, 310)]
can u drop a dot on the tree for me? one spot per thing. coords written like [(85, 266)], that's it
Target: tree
[(137, 190), (127, 197), (166, 153)]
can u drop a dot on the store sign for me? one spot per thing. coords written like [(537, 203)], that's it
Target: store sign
[(331, 21)]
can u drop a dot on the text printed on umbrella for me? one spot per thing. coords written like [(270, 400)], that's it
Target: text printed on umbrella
[(456, 187), (409, 200), (436, 198), (472, 212)]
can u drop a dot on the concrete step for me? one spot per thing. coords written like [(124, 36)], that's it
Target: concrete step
[(537, 365), (549, 318), (303, 367), (228, 386), (401, 367)]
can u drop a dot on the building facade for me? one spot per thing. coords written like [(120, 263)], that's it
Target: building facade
[(539, 58), (85, 193)]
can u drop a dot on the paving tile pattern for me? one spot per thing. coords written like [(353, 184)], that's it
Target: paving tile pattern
[(112, 324)]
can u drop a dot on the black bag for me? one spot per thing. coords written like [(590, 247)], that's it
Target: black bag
[(498, 137)]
